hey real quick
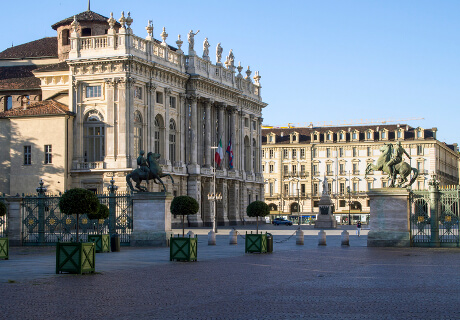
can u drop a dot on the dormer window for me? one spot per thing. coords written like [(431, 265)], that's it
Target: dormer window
[(271, 138), (384, 134), (419, 133), (369, 135), (342, 136), (294, 137), (315, 136), (355, 135), (399, 134)]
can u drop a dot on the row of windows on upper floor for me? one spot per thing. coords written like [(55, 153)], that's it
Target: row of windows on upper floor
[(96, 92), (27, 155), (292, 153), (342, 188), (292, 169), (383, 134)]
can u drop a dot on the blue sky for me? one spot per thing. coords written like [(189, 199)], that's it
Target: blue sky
[(333, 61)]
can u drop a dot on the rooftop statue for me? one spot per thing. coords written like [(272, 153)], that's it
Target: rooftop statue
[(149, 169), (191, 40), (219, 53), (390, 162), (206, 46)]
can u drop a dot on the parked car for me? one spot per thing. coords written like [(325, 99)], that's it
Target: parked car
[(278, 221)]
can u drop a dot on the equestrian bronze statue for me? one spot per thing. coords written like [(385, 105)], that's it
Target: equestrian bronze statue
[(391, 163), (149, 170)]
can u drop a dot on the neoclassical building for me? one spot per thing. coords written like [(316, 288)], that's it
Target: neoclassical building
[(76, 109), (295, 162)]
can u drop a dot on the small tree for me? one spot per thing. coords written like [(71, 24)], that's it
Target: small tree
[(2, 209), (102, 213), (78, 201), (258, 209), (184, 206)]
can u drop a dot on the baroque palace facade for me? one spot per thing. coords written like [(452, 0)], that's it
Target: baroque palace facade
[(78, 108), (295, 162)]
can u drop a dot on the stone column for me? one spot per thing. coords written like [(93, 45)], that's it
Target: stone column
[(183, 129), (123, 123), (151, 219), (207, 205), (14, 221), (234, 202), (194, 191), (251, 148), (233, 134), (151, 89), (389, 218), (221, 132), (166, 138), (110, 129), (131, 157), (241, 147), (78, 155), (208, 142), (193, 167)]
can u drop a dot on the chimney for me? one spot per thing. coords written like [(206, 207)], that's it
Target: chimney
[(434, 132)]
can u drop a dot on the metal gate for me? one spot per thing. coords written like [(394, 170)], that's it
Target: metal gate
[(434, 216), (43, 222)]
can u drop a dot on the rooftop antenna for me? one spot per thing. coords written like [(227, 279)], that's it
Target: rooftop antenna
[(89, 5)]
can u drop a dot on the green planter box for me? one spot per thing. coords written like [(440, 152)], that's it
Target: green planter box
[(102, 242), (183, 249), (75, 257), (4, 248), (255, 243)]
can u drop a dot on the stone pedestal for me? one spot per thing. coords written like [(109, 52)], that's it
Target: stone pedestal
[(325, 219), (151, 219), (389, 218)]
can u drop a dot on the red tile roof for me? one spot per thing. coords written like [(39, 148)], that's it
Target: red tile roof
[(83, 16), (45, 47), (40, 108), (18, 77)]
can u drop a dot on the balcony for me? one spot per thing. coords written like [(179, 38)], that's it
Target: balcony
[(330, 173), (295, 174), (355, 172), (96, 165)]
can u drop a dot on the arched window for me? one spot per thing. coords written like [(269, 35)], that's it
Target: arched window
[(172, 141), (137, 133), (94, 137), (158, 134)]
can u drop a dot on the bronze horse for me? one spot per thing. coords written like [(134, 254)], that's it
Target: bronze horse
[(155, 173), (402, 168)]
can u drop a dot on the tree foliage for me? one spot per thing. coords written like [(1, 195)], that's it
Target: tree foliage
[(78, 201), (258, 209), (102, 212), (2, 209), (184, 205)]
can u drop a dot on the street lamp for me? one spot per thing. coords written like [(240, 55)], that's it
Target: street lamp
[(213, 196)]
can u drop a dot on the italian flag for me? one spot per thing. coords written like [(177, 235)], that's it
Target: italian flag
[(219, 154)]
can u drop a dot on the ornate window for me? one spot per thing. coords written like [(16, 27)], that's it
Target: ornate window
[(158, 134), (172, 141), (93, 91), (137, 133), (93, 137)]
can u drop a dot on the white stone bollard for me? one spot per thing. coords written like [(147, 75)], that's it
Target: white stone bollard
[(233, 237), (299, 237), (345, 238), (322, 238), (191, 234), (211, 238)]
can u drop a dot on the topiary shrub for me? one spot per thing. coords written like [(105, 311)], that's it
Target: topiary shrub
[(184, 206), (2, 209), (102, 213), (78, 201), (257, 209)]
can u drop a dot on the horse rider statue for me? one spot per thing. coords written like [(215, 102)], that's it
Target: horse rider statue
[(149, 169), (390, 162), (143, 164), (396, 158)]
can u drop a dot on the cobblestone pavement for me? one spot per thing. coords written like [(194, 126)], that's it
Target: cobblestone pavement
[(294, 282)]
